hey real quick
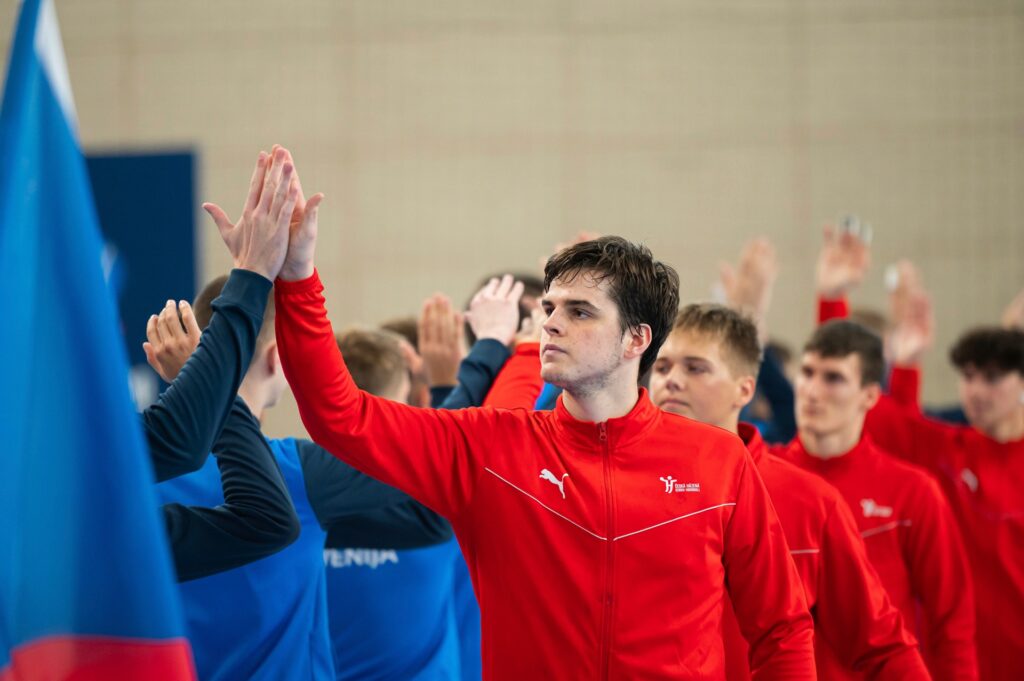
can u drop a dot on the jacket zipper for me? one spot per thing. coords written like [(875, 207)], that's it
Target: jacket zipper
[(606, 634)]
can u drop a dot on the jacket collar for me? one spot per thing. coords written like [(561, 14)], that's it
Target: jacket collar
[(620, 432), (861, 451), (752, 439)]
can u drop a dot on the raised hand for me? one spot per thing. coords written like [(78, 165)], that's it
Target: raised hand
[(1013, 315), (531, 327), (494, 310), (259, 240), (748, 286), (910, 310), (843, 260), (171, 340), (441, 334)]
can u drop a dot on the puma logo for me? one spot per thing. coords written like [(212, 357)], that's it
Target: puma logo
[(873, 510), (550, 477)]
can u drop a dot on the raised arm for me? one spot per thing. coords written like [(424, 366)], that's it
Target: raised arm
[(184, 423), (256, 519), (435, 456), (842, 264)]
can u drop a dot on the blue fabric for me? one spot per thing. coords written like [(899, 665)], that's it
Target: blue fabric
[(268, 619), (547, 398), (82, 549), (467, 616), (392, 613)]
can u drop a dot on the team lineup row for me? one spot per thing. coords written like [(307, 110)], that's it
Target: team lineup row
[(617, 517)]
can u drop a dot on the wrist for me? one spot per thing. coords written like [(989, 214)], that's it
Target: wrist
[(296, 273)]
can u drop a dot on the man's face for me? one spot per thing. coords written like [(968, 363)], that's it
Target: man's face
[(582, 345), (692, 378), (990, 397), (829, 394)]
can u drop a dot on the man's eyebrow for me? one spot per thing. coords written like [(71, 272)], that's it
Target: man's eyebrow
[(578, 303)]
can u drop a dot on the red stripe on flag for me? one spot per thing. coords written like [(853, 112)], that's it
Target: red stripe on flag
[(100, 658)]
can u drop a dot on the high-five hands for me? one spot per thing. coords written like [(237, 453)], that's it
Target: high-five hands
[(259, 240), (276, 234)]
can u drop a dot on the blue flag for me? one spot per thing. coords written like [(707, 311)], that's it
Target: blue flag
[(86, 584)]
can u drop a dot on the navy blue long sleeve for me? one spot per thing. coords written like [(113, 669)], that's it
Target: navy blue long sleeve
[(184, 423), (256, 519), (476, 374), (357, 510), (778, 391)]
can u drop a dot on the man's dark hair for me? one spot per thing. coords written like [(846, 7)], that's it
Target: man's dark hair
[(840, 338), (991, 349), (645, 290), (202, 307), (735, 331)]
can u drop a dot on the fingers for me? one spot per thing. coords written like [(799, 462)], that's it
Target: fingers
[(284, 192), (308, 226), (517, 291), (188, 319), (151, 356), (256, 183), (271, 181), (220, 218), (504, 287), (169, 324), (152, 330)]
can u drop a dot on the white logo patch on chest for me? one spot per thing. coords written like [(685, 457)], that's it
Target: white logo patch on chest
[(550, 477), (671, 485), (969, 479), (873, 510)]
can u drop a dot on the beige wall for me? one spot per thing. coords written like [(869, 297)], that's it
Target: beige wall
[(456, 137)]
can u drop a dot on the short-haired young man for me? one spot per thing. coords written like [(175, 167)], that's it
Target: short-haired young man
[(586, 562), (907, 525), (707, 371), (980, 467)]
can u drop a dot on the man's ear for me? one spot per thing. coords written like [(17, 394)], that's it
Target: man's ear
[(872, 393), (747, 388), (637, 339)]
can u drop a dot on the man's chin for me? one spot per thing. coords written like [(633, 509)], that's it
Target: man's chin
[(552, 376)]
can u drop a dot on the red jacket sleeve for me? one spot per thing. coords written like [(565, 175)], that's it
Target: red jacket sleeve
[(905, 386), (765, 588), (853, 612), (432, 455), (832, 309), (519, 384), (942, 581)]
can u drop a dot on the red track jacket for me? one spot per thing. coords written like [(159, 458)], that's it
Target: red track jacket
[(983, 482), (597, 551), (914, 544), (856, 625)]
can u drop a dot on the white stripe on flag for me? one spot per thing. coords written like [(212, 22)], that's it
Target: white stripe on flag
[(50, 52)]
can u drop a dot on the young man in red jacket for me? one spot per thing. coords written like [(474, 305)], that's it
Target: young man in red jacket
[(707, 370), (980, 467), (906, 523), (601, 536)]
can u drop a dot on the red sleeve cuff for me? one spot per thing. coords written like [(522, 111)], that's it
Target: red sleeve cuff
[(307, 285), (838, 308)]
